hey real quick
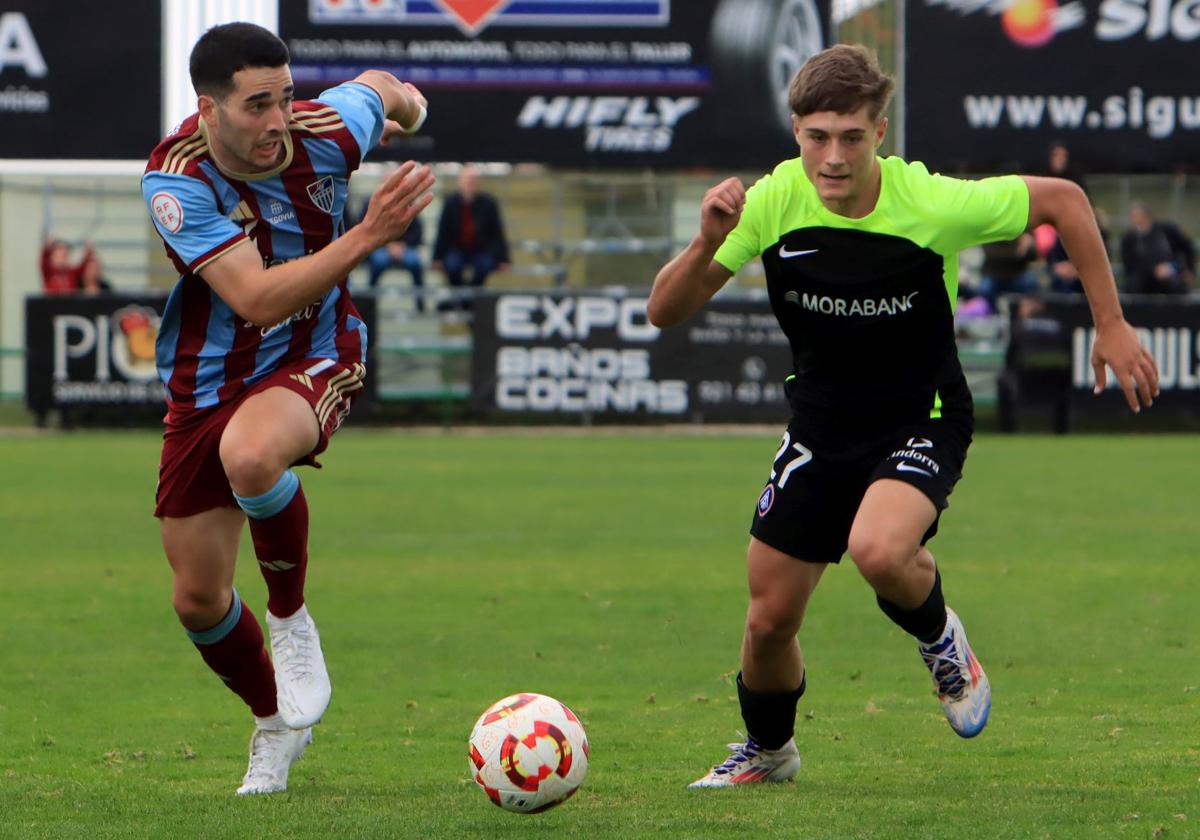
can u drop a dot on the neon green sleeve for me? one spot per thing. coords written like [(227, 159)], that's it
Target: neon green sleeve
[(743, 243), (977, 212)]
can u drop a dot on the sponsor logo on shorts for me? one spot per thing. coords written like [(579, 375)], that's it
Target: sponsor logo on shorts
[(303, 379), (766, 499), (927, 465)]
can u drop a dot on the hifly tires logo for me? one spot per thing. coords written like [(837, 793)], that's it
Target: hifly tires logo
[(473, 16)]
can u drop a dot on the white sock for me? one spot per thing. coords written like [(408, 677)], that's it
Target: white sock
[(272, 722)]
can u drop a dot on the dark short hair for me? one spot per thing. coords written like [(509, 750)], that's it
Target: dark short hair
[(842, 78), (228, 48)]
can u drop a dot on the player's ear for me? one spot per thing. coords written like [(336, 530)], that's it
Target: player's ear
[(796, 128), (881, 126), (207, 106)]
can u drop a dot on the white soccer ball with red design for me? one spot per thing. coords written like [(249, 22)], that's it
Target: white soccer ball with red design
[(528, 752)]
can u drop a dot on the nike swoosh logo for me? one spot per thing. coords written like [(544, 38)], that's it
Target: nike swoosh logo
[(784, 253), (904, 466)]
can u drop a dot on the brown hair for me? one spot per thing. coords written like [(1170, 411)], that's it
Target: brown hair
[(842, 78)]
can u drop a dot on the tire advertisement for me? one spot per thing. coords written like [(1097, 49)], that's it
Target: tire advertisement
[(604, 83), (598, 355), (58, 100), (990, 85), (84, 352)]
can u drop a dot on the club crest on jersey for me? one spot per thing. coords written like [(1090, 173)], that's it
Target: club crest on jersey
[(321, 193), (766, 499)]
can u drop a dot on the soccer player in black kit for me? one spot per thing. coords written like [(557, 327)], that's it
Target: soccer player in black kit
[(861, 259)]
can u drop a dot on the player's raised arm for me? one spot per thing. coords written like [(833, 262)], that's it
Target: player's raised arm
[(266, 296), (688, 281), (1063, 204), (403, 105)]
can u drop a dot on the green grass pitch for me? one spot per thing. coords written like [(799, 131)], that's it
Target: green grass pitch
[(606, 570)]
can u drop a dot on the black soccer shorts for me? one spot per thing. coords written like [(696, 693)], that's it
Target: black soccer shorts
[(815, 490)]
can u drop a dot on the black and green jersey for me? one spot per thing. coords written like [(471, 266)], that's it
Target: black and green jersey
[(868, 304)]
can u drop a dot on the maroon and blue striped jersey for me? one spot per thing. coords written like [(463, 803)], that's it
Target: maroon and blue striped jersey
[(206, 353)]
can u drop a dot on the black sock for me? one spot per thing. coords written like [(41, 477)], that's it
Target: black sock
[(926, 622), (770, 716)]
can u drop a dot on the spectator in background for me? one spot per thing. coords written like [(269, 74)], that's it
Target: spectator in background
[(1006, 268), (403, 253), (470, 234), (1059, 165), (91, 275), (1159, 259), (59, 276)]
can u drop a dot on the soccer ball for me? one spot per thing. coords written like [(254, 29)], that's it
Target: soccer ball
[(528, 753)]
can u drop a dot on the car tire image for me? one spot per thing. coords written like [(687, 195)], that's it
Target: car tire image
[(757, 47)]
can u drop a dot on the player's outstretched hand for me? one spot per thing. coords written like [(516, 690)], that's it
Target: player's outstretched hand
[(720, 210), (399, 199), (1117, 347)]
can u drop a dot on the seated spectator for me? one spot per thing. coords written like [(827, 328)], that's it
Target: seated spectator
[(470, 240), (403, 253), (59, 276), (1006, 268), (1158, 258)]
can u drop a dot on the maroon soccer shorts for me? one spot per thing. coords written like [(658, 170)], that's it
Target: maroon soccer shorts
[(191, 478)]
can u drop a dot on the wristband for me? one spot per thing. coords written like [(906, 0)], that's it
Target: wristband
[(420, 121)]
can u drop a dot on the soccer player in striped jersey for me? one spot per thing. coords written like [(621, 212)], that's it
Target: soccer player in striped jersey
[(861, 257), (261, 350)]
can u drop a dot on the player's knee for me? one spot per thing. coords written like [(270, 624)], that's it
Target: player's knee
[(877, 557), (199, 608), (250, 467), (771, 625)]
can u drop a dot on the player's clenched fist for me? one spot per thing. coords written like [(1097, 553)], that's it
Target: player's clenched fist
[(720, 210)]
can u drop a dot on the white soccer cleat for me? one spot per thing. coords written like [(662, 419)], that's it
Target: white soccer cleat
[(301, 680), (962, 686), (749, 763), (272, 754)]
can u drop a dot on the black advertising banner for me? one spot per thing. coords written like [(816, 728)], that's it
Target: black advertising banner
[(580, 83), (1048, 362), (91, 351), (80, 80), (990, 85), (86, 352), (594, 354), (1168, 328)]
